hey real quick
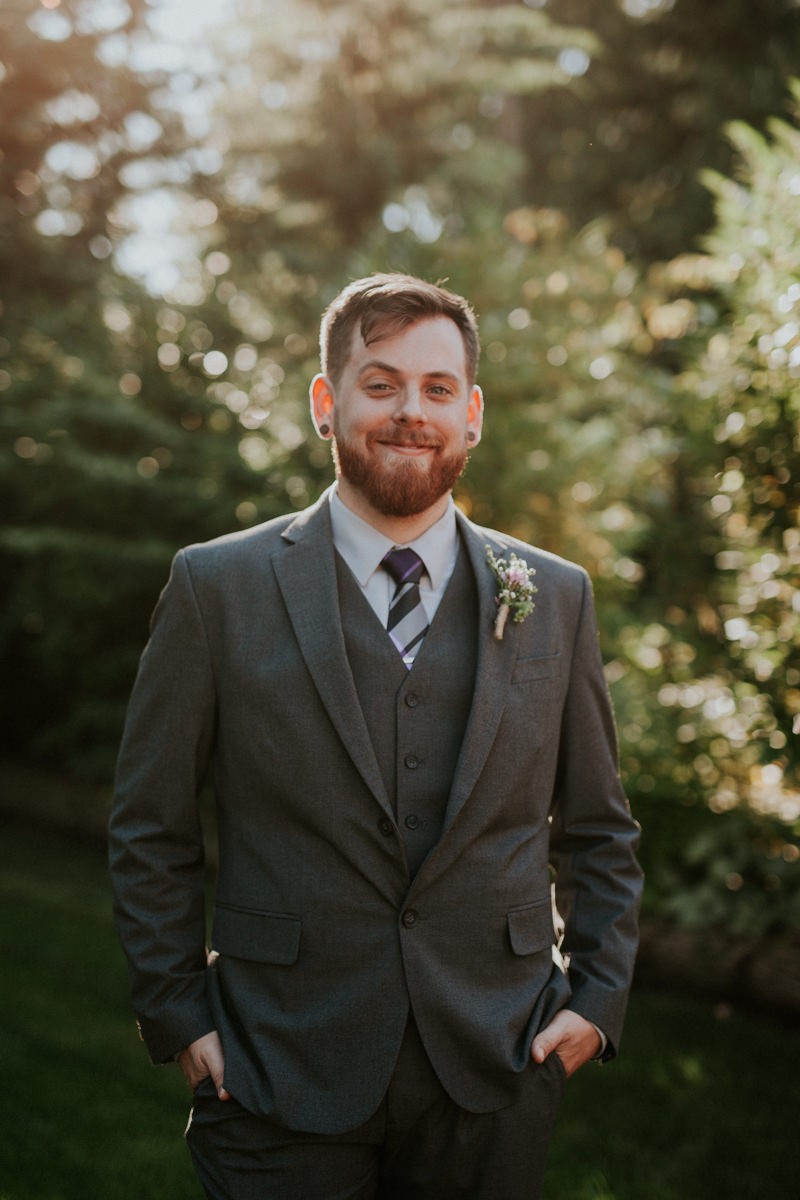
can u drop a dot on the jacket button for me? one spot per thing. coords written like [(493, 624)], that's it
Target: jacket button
[(409, 918), (386, 827), (411, 761), (412, 700), (412, 821)]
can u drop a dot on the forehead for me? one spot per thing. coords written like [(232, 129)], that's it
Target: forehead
[(434, 344)]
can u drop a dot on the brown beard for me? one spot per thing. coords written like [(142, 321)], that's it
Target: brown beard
[(406, 488)]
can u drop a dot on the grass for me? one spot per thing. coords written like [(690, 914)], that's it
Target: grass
[(701, 1105), (83, 1113)]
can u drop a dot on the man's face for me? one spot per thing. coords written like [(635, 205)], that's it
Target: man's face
[(401, 415)]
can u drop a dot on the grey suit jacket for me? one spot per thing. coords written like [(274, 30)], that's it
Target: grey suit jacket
[(323, 939)]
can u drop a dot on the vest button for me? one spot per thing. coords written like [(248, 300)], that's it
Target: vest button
[(409, 918), (412, 700), (412, 821), (386, 827), (411, 761)]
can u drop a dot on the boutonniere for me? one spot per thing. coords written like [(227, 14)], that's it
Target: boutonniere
[(515, 589)]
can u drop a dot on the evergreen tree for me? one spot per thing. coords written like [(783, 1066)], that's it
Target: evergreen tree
[(102, 472), (648, 112)]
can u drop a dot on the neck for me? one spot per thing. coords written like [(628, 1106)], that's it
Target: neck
[(400, 530)]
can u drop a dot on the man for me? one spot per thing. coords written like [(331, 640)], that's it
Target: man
[(384, 1012)]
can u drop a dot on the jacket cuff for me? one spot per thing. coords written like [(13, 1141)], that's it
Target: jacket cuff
[(166, 1035)]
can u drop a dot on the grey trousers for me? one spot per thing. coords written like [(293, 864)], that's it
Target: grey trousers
[(419, 1145)]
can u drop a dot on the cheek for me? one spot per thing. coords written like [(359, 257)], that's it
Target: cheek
[(343, 426), (456, 433)]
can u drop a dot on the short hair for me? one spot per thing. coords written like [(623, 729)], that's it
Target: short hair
[(382, 305)]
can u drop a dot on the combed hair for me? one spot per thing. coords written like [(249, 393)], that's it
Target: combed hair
[(381, 306)]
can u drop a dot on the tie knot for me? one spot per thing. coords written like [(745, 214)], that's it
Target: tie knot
[(404, 565)]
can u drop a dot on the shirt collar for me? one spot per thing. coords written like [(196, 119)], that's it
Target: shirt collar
[(363, 547)]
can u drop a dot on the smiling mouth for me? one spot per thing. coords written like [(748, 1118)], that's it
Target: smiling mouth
[(407, 445)]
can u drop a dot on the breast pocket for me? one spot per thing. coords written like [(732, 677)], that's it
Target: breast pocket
[(546, 666), (263, 937)]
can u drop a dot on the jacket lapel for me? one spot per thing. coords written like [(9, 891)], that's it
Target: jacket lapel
[(493, 673), (306, 574)]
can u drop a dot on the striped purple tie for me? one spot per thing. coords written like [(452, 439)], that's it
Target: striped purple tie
[(408, 621)]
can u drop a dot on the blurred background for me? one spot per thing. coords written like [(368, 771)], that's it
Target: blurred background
[(615, 184)]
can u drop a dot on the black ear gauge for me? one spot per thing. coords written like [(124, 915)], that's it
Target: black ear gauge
[(470, 437), (324, 430)]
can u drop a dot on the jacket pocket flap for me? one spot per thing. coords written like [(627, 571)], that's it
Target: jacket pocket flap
[(258, 936), (542, 667), (531, 928)]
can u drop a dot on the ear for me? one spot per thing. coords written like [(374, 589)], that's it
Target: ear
[(474, 416), (322, 402)]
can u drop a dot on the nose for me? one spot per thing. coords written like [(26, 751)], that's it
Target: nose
[(409, 407)]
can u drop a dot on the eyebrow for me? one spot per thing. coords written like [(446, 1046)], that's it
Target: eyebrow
[(378, 364)]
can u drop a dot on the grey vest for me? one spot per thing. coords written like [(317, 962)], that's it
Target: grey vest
[(416, 719)]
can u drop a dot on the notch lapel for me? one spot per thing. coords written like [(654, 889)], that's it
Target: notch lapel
[(306, 573), (493, 672)]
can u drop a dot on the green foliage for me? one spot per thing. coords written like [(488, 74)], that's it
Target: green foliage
[(750, 368), (641, 419), (735, 870), (647, 115), (745, 369), (118, 446), (725, 668)]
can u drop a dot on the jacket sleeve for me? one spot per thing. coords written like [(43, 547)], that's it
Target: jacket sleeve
[(593, 844), (155, 837)]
